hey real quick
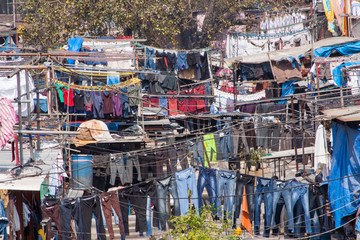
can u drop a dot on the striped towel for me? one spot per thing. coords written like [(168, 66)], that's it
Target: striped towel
[(8, 119)]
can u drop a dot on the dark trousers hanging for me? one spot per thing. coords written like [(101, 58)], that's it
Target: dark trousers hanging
[(71, 209), (110, 200), (88, 208)]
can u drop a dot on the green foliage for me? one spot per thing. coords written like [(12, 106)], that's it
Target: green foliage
[(48, 22), (200, 227), (255, 156)]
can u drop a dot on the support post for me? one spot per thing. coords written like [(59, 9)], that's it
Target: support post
[(294, 133), (20, 118), (29, 114), (38, 120), (302, 116)]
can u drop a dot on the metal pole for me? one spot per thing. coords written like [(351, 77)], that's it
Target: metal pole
[(294, 133), (38, 111), (235, 84), (14, 12), (20, 118), (29, 113), (67, 108), (302, 116)]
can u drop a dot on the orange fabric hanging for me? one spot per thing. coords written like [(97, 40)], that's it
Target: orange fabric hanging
[(245, 217)]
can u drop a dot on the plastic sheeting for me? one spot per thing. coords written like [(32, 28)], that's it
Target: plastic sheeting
[(344, 179), (74, 44), (344, 49), (338, 74), (8, 90)]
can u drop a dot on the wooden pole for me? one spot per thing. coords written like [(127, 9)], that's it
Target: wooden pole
[(294, 133)]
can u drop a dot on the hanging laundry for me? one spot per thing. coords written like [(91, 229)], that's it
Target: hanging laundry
[(108, 105), (173, 105), (322, 159), (68, 96), (210, 148), (171, 60), (110, 200), (90, 206), (207, 179), (134, 95), (8, 119), (117, 168), (149, 61), (74, 44), (79, 101), (225, 188), (263, 193), (98, 106), (112, 79), (245, 216), (244, 182), (117, 107), (163, 187), (329, 12), (88, 102), (4, 221), (56, 174), (161, 61), (186, 180), (182, 62)]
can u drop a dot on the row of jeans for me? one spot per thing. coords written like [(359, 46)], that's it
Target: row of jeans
[(224, 188), (305, 205)]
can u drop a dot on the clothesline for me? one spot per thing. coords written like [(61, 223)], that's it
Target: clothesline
[(174, 50), (126, 83)]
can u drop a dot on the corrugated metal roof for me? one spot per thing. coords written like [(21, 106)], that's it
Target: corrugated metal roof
[(27, 181), (289, 153), (346, 114), (294, 52)]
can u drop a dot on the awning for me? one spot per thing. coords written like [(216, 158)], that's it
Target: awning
[(26, 181), (346, 114), (294, 52)]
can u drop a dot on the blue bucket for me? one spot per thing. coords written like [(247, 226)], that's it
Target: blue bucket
[(81, 171)]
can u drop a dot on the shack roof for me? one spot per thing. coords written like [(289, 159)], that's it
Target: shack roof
[(294, 52)]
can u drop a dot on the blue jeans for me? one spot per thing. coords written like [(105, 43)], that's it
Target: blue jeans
[(197, 149), (162, 187), (301, 191), (263, 192), (225, 187), (186, 180), (226, 146), (248, 182), (281, 188), (148, 217), (207, 178), (149, 61), (4, 221)]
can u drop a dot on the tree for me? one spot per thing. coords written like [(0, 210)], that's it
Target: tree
[(161, 22)]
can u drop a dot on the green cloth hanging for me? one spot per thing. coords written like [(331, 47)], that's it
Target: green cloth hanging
[(210, 148)]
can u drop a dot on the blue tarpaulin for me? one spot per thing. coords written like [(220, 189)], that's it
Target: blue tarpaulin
[(74, 44), (338, 74), (344, 49), (344, 178), (6, 47)]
